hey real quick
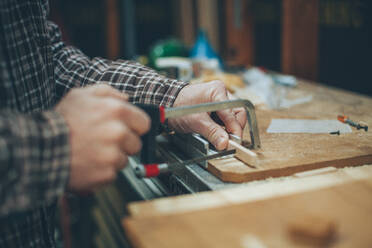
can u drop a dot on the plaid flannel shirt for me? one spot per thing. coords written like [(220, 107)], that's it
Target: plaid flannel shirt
[(36, 70)]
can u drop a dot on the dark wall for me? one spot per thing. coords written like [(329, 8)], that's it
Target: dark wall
[(345, 44), (82, 23), (154, 21), (267, 32)]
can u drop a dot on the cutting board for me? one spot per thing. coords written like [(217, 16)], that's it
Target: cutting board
[(267, 223), (284, 154)]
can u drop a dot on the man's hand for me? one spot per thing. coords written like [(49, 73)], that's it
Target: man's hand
[(104, 130), (202, 123)]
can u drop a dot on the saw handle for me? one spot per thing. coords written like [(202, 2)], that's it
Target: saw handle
[(157, 116)]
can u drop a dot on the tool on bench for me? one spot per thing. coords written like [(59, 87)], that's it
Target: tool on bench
[(335, 132), (345, 119), (149, 166)]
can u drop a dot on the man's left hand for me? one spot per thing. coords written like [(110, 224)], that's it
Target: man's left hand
[(214, 91)]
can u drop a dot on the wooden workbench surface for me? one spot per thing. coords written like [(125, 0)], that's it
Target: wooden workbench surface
[(344, 204), (249, 192), (265, 213), (284, 154)]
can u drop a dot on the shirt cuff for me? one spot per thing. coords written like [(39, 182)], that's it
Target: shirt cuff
[(56, 169)]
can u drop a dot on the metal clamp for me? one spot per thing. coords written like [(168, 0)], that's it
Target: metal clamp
[(215, 106)]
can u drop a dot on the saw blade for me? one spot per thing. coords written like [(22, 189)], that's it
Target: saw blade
[(201, 159)]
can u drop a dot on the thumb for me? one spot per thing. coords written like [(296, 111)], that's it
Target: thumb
[(213, 132)]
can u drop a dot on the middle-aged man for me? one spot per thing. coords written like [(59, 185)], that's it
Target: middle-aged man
[(54, 138)]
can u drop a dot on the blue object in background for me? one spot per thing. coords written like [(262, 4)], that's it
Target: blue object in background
[(202, 49)]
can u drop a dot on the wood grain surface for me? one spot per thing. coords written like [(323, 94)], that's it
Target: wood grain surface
[(250, 192), (283, 154), (300, 52), (345, 208)]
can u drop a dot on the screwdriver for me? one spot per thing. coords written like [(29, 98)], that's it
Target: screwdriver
[(345, 119)]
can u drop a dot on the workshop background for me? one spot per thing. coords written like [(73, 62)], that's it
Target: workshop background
[(326, 41)]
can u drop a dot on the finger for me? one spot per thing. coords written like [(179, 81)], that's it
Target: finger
[(240, 116), (118, 132), (102, 177), (118, 160), (219, 93), (104, 90), (131, 143), (231, 123), (134, 118), (123, 162), (205, 126), (240, 113)]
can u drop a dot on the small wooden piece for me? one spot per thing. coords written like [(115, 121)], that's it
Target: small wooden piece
[(313, 230), (245, 155)]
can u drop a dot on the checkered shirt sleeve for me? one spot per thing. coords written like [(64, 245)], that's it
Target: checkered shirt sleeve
[(34, 159), (34, 148), (142, 84)]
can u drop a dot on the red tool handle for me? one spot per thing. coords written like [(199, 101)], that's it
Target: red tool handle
[(151, 170), (342, 118)]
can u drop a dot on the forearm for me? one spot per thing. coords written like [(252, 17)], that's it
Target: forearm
[(34, 160)]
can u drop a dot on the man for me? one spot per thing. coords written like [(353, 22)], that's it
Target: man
[(54, 138)]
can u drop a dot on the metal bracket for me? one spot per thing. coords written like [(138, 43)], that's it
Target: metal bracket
[(215, 106), (192, 145)]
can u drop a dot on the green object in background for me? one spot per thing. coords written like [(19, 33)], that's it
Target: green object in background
[(167, 48)]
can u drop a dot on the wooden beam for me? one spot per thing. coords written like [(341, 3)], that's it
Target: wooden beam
[(239, 33), (209, 21), (300, 38), (112, 29), (187, 21)]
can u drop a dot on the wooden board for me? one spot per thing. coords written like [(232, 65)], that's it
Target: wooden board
[(250, 192), (186, 21), (264, 223), (284, 154), (208, 21), (239, 33), (299, 48)]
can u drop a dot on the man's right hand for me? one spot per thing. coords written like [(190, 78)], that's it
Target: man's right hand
[(104, 130)]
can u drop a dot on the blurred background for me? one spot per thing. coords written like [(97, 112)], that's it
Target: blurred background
[(327, 41)]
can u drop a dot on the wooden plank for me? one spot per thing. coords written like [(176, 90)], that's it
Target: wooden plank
[(187, 21), (300, 38), (250, 192), (112, 29), (266, 223), (239, 33), (208, 20), (284, 154)]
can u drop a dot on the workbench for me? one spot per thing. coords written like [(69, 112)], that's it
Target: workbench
[(261, 214), (272, 212)]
